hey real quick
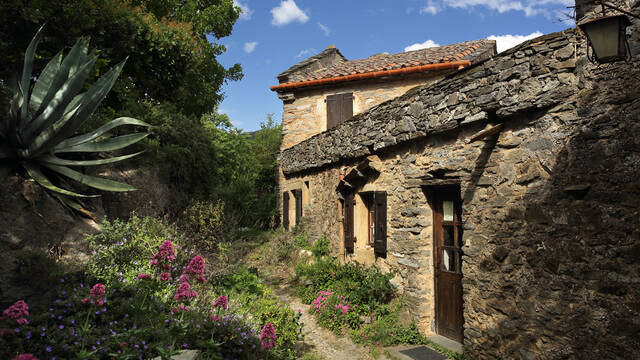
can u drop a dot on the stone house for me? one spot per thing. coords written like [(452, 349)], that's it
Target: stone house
[(503, 195)]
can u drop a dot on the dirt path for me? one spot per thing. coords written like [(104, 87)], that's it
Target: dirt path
[(323, 341)]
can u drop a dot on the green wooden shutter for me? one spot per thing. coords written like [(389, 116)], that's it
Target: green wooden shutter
[(348, 222), (285, 210), (380, 216)]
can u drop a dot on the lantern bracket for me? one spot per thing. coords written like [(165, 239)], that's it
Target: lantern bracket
[(607, 5)]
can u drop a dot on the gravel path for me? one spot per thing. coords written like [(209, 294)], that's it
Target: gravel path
[(323, 342)]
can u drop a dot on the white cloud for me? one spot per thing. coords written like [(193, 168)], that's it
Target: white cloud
[(305, 53), (530, 7), (288, 12), (431, 8), (324, 28), (250, 46), (504, 42), (424, 45), (246, 12)]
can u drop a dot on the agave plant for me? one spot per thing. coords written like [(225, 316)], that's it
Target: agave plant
[(42, 121)]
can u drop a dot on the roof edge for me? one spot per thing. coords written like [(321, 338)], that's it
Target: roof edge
[(457, 65)]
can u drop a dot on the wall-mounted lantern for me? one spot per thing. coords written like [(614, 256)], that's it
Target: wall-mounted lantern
[(607, 35)]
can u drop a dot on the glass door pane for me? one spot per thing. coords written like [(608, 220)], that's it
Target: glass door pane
[(447, 210)]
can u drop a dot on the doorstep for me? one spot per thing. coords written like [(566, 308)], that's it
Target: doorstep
[(446, 343)]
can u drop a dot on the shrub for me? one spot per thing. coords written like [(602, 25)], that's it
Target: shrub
[(320, 247), (364, 286), (203, 223), (334, 311), (301, 240), (142, 297)]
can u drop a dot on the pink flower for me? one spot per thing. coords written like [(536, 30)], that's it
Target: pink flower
[(153, 262), (165, 276), (25, 357), (183, 278), (86, 300), (268, 336), (196, 268), (222, 302), (97, 291), (182, 307), (17, 311), (184, 292), (143, 276), (165, 252), (215, 318)]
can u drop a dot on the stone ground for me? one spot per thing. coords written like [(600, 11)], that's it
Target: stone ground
[(323, 342)]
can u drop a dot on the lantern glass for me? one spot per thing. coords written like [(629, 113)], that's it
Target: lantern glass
[(607, 36)]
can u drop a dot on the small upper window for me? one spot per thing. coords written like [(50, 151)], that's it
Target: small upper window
[(339, 109)]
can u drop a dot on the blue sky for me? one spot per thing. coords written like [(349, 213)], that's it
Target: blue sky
[(272, 35)]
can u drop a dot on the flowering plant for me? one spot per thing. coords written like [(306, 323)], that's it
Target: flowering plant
[(334, 311), (18, 312)]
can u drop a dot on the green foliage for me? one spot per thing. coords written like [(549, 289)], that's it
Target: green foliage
[(386, 330), (256, 299), (172, 60), (42, 120), (203, 224), (362, 286), (334, 312), (320, 247), (140, 317), (301, 240)]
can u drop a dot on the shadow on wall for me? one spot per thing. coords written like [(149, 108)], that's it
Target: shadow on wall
[(564, 264)]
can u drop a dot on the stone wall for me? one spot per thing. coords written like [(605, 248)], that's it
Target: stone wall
[(307, 114), (550, 205)]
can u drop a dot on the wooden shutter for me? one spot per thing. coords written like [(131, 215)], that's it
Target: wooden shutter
[(339, 108), (285, 210), (380, 215), (297, 194), (348, 222), (346, 107), (333, 110)]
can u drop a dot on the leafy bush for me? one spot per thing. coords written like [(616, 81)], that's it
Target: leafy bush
[(320, 247), (144, 296), (334, 312), (203, 223), (301, 240), (363, 286)]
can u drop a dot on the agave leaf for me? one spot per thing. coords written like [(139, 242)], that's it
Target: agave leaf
[(110, 144), (51, 121), (80, 139), (92, 181), (14, 110), (75, 206), (40, 178), (44, 82), (26, 73), (90, 102), (6, 152), (74, 57), (52, 159)]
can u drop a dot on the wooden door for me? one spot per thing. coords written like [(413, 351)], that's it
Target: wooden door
[(448, 264)]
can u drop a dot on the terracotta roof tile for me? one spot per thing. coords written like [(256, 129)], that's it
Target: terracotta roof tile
[(468, 50)]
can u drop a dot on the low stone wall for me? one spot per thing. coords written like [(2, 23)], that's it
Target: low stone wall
[(551, 266)]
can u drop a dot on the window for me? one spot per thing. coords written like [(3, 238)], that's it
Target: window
[(372, 221), (339, 109)]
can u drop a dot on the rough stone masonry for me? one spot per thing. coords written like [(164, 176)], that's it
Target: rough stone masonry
[(551, 266)]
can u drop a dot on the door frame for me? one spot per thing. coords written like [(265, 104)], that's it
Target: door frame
[(437, 194)]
